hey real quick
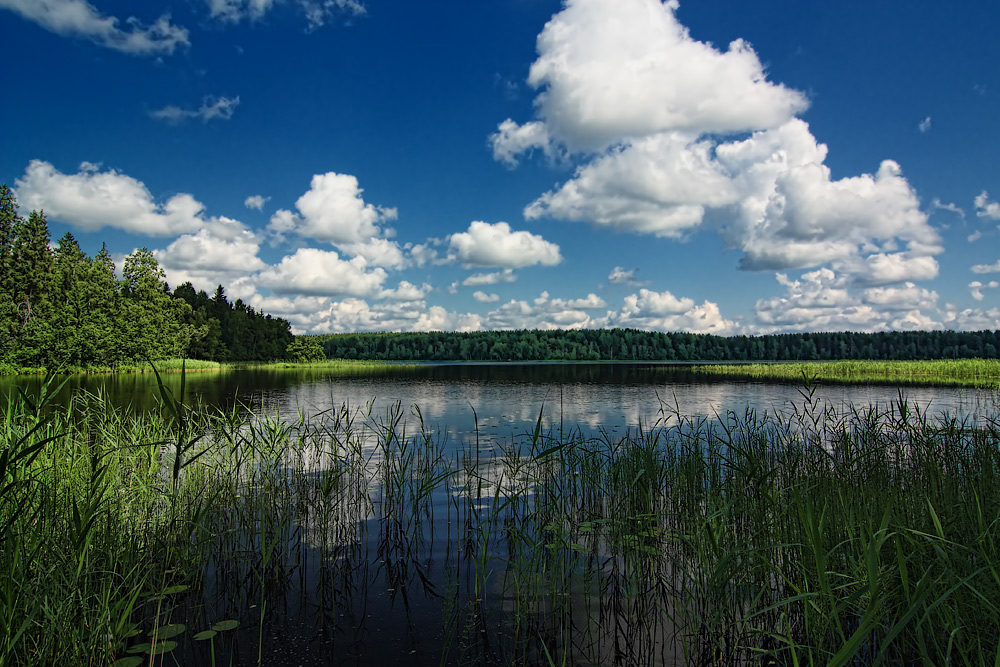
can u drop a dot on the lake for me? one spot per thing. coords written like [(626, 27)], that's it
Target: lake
[(423, 553), (505, 399)]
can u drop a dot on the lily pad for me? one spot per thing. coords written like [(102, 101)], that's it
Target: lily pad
[(168, 631), (130, 661), (205, 634), (163, 647), (222, 626)]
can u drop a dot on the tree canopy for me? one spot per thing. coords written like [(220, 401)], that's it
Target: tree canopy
[(60, 308)]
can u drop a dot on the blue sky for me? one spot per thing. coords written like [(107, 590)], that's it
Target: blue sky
[(723, 167)]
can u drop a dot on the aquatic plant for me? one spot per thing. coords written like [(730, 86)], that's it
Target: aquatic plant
[(188, 535)]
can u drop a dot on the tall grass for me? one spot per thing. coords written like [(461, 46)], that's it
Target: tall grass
[(193, 365), (961, 372), (195, 536)]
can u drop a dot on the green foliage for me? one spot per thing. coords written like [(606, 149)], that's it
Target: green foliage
[(635, 345), (305, 349), (224, 331), (968, 372), (60, 309), (822, 536)]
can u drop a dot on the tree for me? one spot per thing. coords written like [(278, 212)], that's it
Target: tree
[(9, 220), (69, 308), (155, 323), (31, 279), (304, 349)]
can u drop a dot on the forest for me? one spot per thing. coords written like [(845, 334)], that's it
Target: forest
[(637, 345), (60, 308)]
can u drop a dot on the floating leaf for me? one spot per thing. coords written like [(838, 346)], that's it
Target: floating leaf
[(168, 631), (175, 589), (130, 661), (205, 634), (163, 647), (222, 626), (139, 648)]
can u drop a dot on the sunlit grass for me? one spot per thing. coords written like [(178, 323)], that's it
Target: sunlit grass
[(962, 372), (195, 365)]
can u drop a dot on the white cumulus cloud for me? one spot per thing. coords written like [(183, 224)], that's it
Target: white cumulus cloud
[(498, 245), (333, 211), (256, 201), (483, 297), (987, 268), (91, 200), (976, 288), (662, 311), (495, 278), (79, 18), (614, 69), (659, 124), (986, 208), (823, 301), (315, 272)]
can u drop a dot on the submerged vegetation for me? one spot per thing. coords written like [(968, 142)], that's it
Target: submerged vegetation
[(961, 372), (195, 536)]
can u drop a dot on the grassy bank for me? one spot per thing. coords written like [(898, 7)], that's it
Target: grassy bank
[(957, 372), (859, 538), (192, 365)]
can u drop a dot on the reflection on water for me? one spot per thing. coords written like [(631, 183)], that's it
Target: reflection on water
[(505, 400), (362, 542)]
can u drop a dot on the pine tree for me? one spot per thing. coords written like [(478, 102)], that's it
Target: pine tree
[(8, 221), (32, 287), (69, 310), (105, 334)]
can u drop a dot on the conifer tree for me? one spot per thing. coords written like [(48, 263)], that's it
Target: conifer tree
[(32, 287), (153, 320), (8, 221)]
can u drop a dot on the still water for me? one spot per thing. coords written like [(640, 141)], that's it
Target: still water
[(505, 400), (359, 582)]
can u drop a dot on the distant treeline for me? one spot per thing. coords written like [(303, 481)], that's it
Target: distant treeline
[(61, 308), (636, 345)]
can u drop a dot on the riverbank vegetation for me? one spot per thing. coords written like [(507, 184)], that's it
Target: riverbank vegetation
[(816, 536), (959, 372), (635, 345)]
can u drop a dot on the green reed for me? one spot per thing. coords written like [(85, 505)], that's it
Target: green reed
[(810, 537), (957, 372)]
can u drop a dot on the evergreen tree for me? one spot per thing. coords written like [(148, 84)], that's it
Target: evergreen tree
[(105, 337), (32, 287), (154, 321), (69, 312), (9, 220)]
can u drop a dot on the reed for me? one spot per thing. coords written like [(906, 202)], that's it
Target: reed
[(958, 372), (194, 536)]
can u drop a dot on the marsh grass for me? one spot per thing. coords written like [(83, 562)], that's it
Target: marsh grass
[(201, 365), (193, 536), (954, 372)]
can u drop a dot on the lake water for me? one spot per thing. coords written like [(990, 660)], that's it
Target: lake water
[(505, 399), (385, 590)]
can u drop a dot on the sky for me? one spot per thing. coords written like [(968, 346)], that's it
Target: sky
[(715, 167)]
